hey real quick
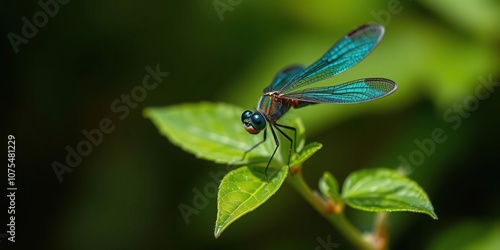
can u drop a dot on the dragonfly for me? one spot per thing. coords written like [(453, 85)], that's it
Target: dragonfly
[(285, 91)]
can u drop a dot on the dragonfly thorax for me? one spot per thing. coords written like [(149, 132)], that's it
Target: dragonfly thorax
[(273, 107)]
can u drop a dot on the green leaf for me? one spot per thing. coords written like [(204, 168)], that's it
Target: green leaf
[(385, 190), (243, 190), (214, 132), (305, 153), (329, 186)]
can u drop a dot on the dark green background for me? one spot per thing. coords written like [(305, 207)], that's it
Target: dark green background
[(125, 194)]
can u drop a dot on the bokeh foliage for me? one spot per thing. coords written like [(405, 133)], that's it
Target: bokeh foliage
[(126, 193)]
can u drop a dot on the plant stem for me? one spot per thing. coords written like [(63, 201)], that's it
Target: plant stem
[(380, 236), (338, 220)]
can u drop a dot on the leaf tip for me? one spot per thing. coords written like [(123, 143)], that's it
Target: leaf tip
[(217, 232), (434, 216)]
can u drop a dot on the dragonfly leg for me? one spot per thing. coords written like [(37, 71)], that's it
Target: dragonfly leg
[(294, 133), (274, 152), (290, 139), (256, 145)]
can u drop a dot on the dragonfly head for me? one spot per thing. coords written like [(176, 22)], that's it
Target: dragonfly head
[(253, 122)]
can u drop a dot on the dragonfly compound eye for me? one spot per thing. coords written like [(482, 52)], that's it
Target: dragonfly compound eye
[(248, 124), (246, 115), (258, 121)]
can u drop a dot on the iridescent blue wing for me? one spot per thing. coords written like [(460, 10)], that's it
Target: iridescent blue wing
[(283, 77), (346, 53), (357, 91)]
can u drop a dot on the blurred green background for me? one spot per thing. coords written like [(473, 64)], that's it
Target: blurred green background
[(126, 193)]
